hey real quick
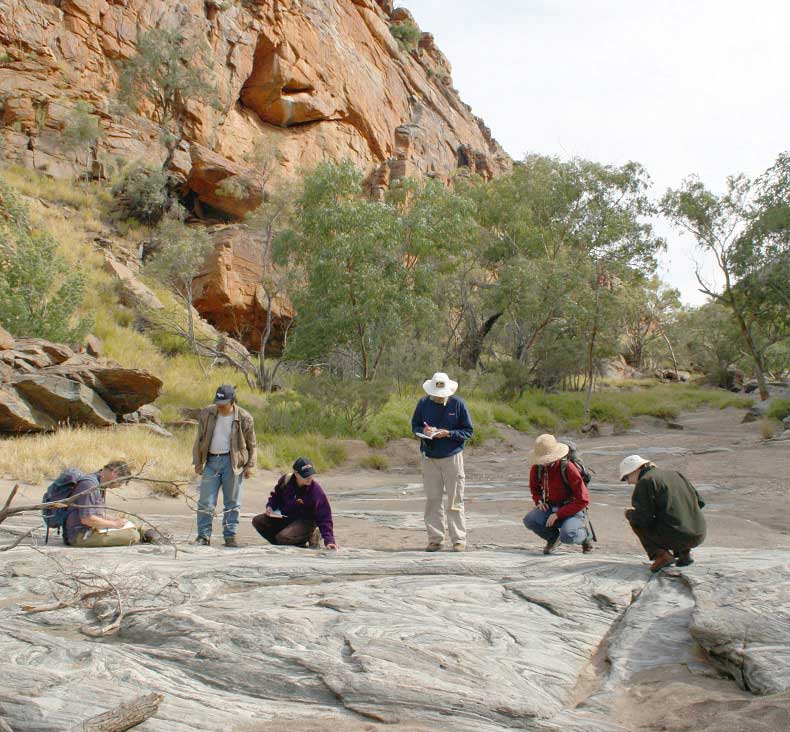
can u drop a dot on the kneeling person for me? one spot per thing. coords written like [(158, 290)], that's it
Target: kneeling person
[(87, 523), (667, 512), (560, 495), (297, 509)]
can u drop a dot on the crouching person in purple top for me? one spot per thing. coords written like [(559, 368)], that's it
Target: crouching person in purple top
[(298, 511)]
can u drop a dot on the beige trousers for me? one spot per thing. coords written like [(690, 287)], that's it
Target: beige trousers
[(444, 477), (112, 537)]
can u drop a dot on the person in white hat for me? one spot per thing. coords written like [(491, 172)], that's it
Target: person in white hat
[(667, 512), (560, 495), (442, 422)]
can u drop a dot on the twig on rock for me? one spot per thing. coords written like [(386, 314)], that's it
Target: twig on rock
[(124, 716)]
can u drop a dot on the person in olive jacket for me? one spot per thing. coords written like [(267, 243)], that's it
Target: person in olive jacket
[(667, 512), (225, 452)]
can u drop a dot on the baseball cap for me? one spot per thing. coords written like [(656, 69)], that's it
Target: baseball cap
[(304, 467), (225, 394)]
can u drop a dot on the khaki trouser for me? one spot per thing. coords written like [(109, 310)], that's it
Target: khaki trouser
[(444, 477), (112, 537)]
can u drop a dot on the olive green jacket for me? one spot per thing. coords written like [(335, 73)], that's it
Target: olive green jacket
[(243, 446), (666, 498)]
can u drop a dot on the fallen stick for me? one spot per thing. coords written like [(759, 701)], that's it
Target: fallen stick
[(123, 717), (4, 726)]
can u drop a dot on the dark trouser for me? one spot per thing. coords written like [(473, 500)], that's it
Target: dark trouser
[(656, 539), (283, 531)]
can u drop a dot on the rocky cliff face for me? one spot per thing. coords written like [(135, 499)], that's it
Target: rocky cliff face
[(306, 80)]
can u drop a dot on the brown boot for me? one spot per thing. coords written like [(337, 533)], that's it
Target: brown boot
[(661, 560), (315, 539)]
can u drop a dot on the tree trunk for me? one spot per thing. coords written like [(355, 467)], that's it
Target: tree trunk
[(472, 345), (591, 349), (123, 717)]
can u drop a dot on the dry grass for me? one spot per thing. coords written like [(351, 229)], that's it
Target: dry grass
[(36, 458), (768, 428)]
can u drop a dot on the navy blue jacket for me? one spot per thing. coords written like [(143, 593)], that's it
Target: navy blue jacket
[(453, 417)]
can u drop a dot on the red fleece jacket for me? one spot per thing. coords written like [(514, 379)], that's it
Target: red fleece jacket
[(570, 501)]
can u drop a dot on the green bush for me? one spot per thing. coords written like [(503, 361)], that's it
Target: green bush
[(407, 34), (374, 462), (779, 409), (507, 415), (40, 292), (392, 421), (141, 194)]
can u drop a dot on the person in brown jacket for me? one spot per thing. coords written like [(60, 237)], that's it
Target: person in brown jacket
[(225, 452)]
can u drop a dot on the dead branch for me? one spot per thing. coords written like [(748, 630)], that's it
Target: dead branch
[(124, 716), (61, 604), (19, 540)]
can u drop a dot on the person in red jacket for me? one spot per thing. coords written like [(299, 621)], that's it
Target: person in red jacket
[(560, 497)]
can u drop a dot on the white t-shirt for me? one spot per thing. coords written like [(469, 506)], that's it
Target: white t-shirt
[(220, 440)]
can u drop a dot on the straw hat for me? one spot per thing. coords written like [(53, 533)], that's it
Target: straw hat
[(441, 385), (547, 450), (630, 464)]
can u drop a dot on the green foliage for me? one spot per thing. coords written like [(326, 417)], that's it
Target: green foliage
[(82, 129), (779, 409), (141, 194), (374, 462), (167, 70), (392, 421), (362, 282), (349, 404), (39, 292), (407, 34), (180, 253)]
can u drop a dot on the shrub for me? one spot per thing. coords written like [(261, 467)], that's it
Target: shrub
[(39, 291), (767, 428), (392, 421), (141, 194), (779, 409), (375, 462), (407, 34), (509, 416)]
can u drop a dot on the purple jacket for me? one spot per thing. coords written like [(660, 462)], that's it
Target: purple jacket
[(308, 503)]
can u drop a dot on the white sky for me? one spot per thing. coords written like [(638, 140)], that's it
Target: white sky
[(682, 86)]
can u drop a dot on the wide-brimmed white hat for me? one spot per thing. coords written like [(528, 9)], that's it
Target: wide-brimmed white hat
[(547, 450), (441, 385), (630, 464)]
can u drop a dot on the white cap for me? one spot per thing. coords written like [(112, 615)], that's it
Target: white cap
[(630, 464)]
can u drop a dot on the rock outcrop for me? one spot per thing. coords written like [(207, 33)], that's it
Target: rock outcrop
[(307, 81), (283, 638), (43, 385), (229, 293)]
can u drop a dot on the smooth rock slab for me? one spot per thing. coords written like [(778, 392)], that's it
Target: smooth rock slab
[(484, 642)]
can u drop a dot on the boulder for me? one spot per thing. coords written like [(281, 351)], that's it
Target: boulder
[(93, 346), (228, 292), (125, 390), (6, 339), (19, 416), (672, 375), (786, 423), (132, 292), (65, 401), (44, 384), (223, 185)]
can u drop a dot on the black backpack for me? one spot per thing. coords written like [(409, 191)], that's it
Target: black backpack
[(571, 457), (59, 490)]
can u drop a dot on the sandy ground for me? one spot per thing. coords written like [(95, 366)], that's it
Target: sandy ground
[(743, 479)]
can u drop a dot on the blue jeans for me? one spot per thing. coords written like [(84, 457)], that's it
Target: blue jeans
[(572, 530), (219, 472)]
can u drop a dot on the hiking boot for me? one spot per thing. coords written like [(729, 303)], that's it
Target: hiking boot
[(684, 558), (433, 547), (202, 541), (662, 559), (459, 546), (587, 547), (314, 542), (551, 545), (231, 542)]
